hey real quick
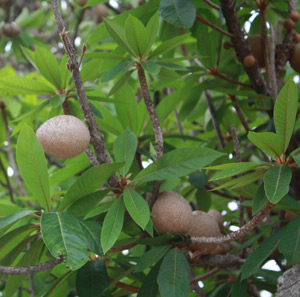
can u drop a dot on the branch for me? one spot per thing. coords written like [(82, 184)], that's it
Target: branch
[(273, 82), (241, 46), (30, 269), (205, 275), (220, 261), (97, 138), (211, 4), (239, 233), (206, 22)]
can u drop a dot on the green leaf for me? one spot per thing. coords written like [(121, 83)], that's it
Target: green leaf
[(116, 32), (150, 67), (168, 45), (48, 66), (124, 149), (259, 255), (239, 288), (136, 35), (177, 163), (289, 243), (174, 275), (151, 257), (198, 180), (180, 13), (6, 221), (120, 82), (92, 279), (152, 28), (21, 86), (116, 71), (137, 207), (57, 100), (234, 169), (112, 225), (276, 182), (268, 142), (63, 235), (29, 54), (285, 111), (33, 167), (259, 201), (149, 287), (88, 182), (92, 230)]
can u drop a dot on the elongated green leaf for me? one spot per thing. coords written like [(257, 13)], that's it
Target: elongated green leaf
[(151, 257), (136, 35), (92, 279), (152, 28), (57, 100), (112, 224), (89, 182), (180, 13), (92, 230), (276, 182), (150, 66), (259, 255), (289, 243), (32, 164), (14, 217), (120, 82), (259, 201), (137, 207), (21, 85), (124, 149), (269, 142), (29, 54), (285, 111), (150, 286), (116, 32), (48, 66), (174, 275), (105, 56), (239, 288), (236, 169), (168, 45), (116, 71), (63, 235), (178, 163)]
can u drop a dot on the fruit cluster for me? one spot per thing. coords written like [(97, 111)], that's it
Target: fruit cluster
[(172, 214)]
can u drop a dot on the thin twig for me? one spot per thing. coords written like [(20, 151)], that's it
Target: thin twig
[(211, 4), (239, 233), (239, 113), (220, 261), (206, 22), (273, 82), (30, 269), (79, 20), (205, 275)]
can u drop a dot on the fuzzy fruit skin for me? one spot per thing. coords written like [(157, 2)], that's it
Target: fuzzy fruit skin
[(295, 16), (288, 24), (81, 3), (295, 61), (249, 61), (63, 136), (256, 46), (171, 213), (218, 217), (11, 30), (101, 12), (296, 38), (203, 225)]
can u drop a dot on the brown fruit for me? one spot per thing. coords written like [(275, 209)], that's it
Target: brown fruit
[(37, 5), (11, 30), (81, 3), (218, 217), (295, 16), (295, 61), (288, 24), (171, 213), (249, 61), (256, 46), (221, 249), (63, 136), (296, 38), (4, 3), (101, 12), (203, 224), (227, 45)]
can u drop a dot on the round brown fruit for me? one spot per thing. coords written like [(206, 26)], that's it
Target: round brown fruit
[(295, 61), (256, 46), (203, 224), (218, 217), (101, 12), (295, 16), (81, 3), (4, 3), (11, 30), (249, 61), (227, 45), (288, 24), (171, 213), (63, 136)]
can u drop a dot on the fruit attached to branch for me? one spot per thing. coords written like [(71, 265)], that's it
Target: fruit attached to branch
[(295, 61), (11, 30)]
